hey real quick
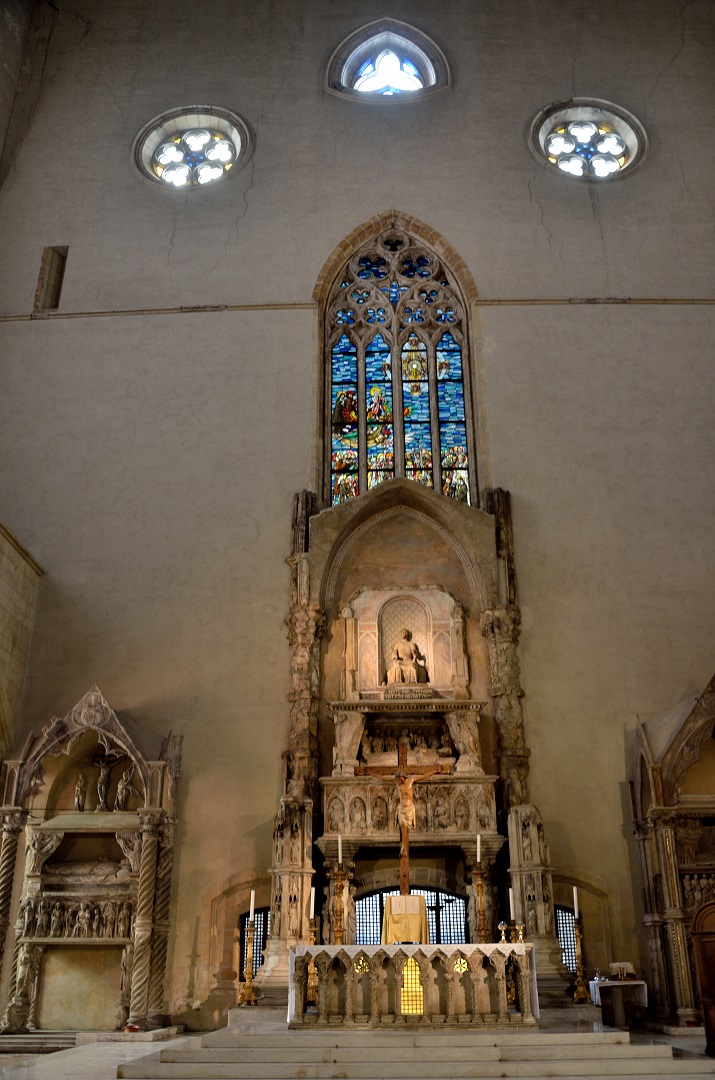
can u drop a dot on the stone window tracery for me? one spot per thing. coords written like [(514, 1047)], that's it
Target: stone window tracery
[(397, 359), (387, 60)]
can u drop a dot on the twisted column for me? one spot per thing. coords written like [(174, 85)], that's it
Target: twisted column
[(156, 1014), (13, 821), (141, 970)]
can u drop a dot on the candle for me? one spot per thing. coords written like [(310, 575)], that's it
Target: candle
[(479, 847), (511, 904), (575, 902), (312, 902), (253, 904), (340, 850)]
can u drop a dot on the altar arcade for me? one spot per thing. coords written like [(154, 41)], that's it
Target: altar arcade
[(403, 576)]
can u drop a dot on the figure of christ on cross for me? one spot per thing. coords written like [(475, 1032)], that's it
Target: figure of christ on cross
[(405, 779)]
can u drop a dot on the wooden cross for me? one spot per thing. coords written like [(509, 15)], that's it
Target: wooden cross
[(404, 778)]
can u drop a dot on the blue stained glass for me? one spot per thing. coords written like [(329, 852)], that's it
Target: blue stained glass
[(372, 267), (418, 266), (344, 406), (416, 406), (418, 445), (407, 66), (377, 360), (344, 361), (375, 315), (453, 439), (450, 401), (428, 296), (379, 403), (446, 315), (394, 291), (413, 315), (449, 358), (359, 296), (345, 317)]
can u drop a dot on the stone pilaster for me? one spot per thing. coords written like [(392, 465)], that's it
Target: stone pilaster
[(674, 922), (141, 970), (501, 627)]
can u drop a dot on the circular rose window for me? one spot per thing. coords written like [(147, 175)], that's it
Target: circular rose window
[(192, 147), (588, 139)]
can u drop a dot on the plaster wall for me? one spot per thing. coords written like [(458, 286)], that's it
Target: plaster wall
[(149, 461), (19, 575), (14, 23)]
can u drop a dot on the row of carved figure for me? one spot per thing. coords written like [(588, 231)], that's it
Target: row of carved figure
[(440, 813), (376, 744), (124, 787), (47, 917), (697, 889)]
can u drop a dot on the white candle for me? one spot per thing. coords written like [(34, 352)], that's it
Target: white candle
[(340, 850), (479, 847), (253, 904), (511, 904), (312, 902), (575, 902)]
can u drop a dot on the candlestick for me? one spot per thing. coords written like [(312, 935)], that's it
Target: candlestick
[(482, 928), (312, 989), (340, 850), (312, 904), (246, 994), (581, 995), (479, 847), (511, 904), (575, 902), (253, 905), (338, 924)]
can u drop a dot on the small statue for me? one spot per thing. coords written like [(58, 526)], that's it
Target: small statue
[(125, 789), (28, 918), (81, 928), (43, 919), (407, 664), (123, 920), (80, 793), (57, 920), (104, 764)]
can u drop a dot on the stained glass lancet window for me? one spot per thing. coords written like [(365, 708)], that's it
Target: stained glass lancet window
[(397, 367), (387, 60)]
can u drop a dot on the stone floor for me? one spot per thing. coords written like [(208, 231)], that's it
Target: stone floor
[(99, 1060)]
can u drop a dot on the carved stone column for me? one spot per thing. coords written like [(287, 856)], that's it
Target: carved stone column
[(534, 899), (141, 971), (652, 919), (157, 1015), (674, 922), (500, 626), (13, 821)]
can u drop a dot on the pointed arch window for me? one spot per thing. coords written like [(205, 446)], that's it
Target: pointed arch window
[(387, 60), (397, 373)]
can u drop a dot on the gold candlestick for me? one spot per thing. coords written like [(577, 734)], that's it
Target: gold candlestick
[(482, 928), (338, 927), (502, 927), (581, 995), (512, 931), (312, 991), (520, 931), (246, 994)]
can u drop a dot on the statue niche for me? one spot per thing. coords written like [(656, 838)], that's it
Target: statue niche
[(403, 643)]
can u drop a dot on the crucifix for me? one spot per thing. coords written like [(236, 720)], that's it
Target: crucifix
[(405, 779)]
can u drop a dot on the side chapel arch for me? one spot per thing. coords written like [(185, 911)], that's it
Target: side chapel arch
[(395, 304)]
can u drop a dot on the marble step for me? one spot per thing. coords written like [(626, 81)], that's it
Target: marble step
[(448, 1068), (298, 1056), (46, 1042), (411, 1036)]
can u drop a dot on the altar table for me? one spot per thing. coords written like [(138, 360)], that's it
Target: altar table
[(613, 1002), (458, 984)]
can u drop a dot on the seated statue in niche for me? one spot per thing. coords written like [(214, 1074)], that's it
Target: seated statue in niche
[(407, 664)]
